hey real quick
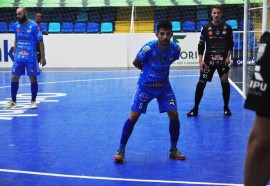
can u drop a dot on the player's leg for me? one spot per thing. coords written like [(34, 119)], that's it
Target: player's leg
[(34, 91), (205, 75), (257, 163), (140, 103), (126, 133), (18, 69), (226, 90), (33, 71), (167, 102)]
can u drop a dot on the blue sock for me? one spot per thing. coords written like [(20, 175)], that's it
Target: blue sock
[(126, 132), (34, 91), (174, 129), (14, 90)]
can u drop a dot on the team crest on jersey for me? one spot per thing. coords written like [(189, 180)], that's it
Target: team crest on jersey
[(172, 102), (143, 97), (210, 33), (146, 48)]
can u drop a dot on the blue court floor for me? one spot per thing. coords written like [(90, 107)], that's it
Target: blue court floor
[(72, 137)]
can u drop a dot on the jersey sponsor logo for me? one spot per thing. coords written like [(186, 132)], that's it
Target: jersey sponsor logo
[(261, 50), (217, 58), (23, 52), (23, 102), (258, 83)]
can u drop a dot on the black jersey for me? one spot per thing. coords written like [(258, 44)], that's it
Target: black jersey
[(218, 40), (258, 97)]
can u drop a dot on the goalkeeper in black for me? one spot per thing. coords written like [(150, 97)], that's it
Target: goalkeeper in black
[(216, 40)]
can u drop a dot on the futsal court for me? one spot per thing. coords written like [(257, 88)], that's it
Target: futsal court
[(71, 138)]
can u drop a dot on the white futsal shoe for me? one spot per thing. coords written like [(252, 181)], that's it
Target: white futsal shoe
[(10, 104), (33, 105)]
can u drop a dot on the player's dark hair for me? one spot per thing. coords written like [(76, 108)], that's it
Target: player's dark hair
[(217, 7), (38, 12), (165, 24)]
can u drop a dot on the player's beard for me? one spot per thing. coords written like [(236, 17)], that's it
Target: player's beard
[(165, 43), (22, 20)]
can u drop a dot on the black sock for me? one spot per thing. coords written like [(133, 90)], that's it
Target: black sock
[(226, 93), (174, 129), (199, 94)]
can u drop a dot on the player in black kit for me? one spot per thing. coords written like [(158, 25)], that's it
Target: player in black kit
[(257, 164), (217, 37)]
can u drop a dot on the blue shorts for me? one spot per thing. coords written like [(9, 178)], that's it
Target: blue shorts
[(19, 66), (164, 95)]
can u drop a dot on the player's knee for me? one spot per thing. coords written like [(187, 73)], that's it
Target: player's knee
[(201, 85), (15, 78), (224, 78), (225, 81), (33, 79), (173, 115), (134, 116)]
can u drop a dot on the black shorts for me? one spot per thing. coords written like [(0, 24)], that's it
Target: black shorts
[(208, 72)]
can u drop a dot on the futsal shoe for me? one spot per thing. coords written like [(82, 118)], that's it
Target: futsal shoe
[(193, 112), (10, 104), (119, 156), (33, 105), (227, 111), (175, 154)]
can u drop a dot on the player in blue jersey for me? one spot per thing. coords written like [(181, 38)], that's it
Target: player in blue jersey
[(27, 35), (154, 60)]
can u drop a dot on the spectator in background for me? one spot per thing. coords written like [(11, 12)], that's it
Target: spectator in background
[(38, 20), (27, 35), (257, 165), (216, 40)]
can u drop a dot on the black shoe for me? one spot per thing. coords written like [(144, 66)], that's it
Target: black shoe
[(193, 112), (227, 112)]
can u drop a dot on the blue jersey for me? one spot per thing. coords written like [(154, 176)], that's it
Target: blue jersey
[(27, 36), (156, 63)]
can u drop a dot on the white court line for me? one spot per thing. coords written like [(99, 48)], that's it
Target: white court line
[(85, 80), (114, 179), (237, 89)]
